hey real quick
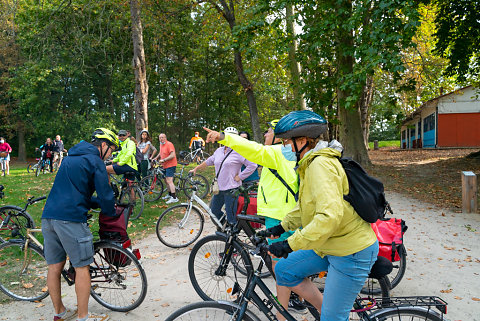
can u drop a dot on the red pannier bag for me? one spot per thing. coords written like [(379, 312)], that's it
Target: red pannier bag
[(390, 236), (114, 229), (251, 209)]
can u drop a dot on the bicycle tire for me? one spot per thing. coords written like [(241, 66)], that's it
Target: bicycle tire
[(399, 266), (31, 168), (394, 277), (171, 234), (23, 283), (138, 200), (209, 311), (411, 313), (19, 221), (203, 186), (152, 189), (204, 261), (120, 288)]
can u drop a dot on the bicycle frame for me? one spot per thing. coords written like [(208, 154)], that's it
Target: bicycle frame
[(204, 206)]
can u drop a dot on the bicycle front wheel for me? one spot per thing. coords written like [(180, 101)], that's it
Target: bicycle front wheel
[(410, 313), (209, 311), (119, 282), (17, 224), (179, 226), (210, 280), (200, 182), (31, 168), (133, 195), (23, 272), (152, 188)]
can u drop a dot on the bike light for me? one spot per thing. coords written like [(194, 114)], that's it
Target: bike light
[(127, 244), (137, 253)]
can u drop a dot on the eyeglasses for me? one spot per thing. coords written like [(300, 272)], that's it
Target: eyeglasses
[(122, 135), (285, 141)]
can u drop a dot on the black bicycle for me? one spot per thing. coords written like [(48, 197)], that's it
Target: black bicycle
[(14, 220), (364, 308)]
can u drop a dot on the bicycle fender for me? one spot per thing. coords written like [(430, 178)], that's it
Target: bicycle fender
[(222, 234), (236, 306)]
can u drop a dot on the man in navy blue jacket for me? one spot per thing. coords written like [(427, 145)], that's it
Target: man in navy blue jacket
[(64, 218)]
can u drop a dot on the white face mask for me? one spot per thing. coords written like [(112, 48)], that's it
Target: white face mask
[(196, 135), (2, 141)]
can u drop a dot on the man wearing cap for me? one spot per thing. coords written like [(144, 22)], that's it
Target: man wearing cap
[(125, 161)]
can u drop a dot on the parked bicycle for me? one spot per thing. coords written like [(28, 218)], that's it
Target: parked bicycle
[(364, 308), (3, 162), (153, 187), (118, 280), (14, 220), (194, 155)]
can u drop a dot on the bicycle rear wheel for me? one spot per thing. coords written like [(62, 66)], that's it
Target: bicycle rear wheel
[(202, 156), (152, 188), (200, 182), (23, 273), (373, 287), (208, 310), (179, 226), (209, 279), (133, 195), (117, 287), (31, 168), (17, 225), (410, 313)]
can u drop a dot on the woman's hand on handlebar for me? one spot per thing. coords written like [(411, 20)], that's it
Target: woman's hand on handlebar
[(273, 232)]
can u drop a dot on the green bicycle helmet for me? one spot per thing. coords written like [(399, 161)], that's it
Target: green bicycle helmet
[(273, 123), (106, 135), (301, 123)]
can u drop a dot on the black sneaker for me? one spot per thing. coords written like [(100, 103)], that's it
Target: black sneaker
[(295, 304)]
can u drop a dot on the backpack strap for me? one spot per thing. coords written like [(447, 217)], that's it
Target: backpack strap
[(280, 178)]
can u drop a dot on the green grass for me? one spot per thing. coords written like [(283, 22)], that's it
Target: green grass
[(20, 185), (385, 143)]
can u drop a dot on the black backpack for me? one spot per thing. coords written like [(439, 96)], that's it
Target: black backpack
[(366, 193)]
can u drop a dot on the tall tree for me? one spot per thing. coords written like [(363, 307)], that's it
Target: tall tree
[(295, 69), (458, 36), (139, 66), (227, 10)]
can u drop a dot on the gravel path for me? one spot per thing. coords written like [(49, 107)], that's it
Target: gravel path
[(443, 259)]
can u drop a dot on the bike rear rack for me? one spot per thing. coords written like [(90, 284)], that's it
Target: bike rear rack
[(423, 301)]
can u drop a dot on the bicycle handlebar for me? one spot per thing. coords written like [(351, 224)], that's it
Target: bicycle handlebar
[(35, 200)]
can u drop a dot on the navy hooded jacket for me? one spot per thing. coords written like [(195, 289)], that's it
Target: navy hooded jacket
[(81, 173)]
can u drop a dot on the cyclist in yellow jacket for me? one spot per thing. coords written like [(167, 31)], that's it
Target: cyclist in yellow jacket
[(278, 184), (125, 160)]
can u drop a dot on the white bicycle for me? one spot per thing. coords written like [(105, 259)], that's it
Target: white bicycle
[(181, 225), (3, 162)]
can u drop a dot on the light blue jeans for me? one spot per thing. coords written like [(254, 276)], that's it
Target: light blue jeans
[(346, 277)]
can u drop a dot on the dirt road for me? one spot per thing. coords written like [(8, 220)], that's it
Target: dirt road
[(443, 259)]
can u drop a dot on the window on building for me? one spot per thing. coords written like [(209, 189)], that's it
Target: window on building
[(429, 123)]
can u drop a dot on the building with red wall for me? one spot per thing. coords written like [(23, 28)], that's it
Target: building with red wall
[(450, 120)]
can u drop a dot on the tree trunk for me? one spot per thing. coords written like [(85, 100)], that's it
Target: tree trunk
[(350, 131), (365, 108), (22, 155), (228, 12), (293, 63), (139, 66), (252, 103)]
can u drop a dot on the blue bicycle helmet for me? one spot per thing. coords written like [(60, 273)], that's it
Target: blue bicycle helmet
[(301, 123)]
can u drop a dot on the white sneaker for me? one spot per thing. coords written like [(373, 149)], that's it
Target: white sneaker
[(166, 197), (172, 200)]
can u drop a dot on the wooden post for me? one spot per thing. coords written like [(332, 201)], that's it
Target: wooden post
[(469, 192), (375, 145)]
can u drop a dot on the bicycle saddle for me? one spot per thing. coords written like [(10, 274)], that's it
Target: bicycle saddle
[(381, 268)]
